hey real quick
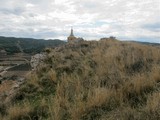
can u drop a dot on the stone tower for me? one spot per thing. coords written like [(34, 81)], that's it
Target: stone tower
[(71, 38)]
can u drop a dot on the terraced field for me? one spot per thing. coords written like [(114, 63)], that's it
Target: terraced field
[(14, 65), (21, 67)]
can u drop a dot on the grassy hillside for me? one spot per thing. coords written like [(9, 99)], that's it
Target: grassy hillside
[(104, 80), (27, 45)]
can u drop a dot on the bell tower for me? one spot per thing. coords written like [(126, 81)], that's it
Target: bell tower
[(71, 32), (71, 38)]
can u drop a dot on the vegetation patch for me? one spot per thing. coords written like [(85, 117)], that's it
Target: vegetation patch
[(99, 80)]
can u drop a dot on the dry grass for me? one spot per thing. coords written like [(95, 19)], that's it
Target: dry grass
[(6, 86), (20, 112), (101, 80), (153, 102)]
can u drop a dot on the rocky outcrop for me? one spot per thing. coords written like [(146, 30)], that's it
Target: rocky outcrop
[(36, 60)]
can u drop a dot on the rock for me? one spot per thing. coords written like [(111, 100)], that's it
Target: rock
[(15, 86), (36, 60)]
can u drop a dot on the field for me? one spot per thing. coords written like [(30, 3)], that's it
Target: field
[(14, 67)]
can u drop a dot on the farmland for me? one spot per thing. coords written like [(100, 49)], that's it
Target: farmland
[(14, 65)]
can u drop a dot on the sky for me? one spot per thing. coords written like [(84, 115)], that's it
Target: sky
[(91, 19)]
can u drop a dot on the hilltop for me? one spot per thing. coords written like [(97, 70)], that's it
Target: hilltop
[(27, 45), (91, 80)]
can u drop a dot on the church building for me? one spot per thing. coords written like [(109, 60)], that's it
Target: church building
[(73, 39)]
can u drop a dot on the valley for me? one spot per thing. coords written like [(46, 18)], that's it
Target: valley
[(15, 57), (14, 66)]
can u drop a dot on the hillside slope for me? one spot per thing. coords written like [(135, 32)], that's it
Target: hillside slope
[(104, 80), (27, 45)]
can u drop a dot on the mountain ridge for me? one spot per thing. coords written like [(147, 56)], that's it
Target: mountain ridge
[(29, 45)]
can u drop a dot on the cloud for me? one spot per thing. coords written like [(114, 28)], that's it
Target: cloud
[(91, 19), (155, 27)]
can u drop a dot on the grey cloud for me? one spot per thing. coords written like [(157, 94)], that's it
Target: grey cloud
[(44, 33), (136, 19), (152, 27), (16, 11)]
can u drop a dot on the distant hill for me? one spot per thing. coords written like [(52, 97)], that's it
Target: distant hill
[(147, 43), (27, 45)]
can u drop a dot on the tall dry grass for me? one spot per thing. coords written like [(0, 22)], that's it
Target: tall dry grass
[(100, 80)]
